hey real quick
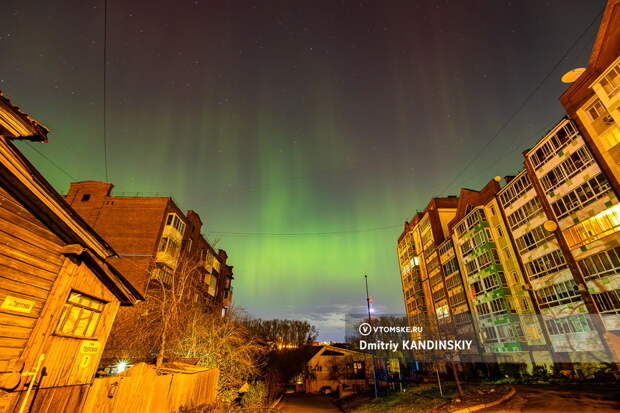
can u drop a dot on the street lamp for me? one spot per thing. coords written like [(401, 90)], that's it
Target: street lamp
[(374, 370)]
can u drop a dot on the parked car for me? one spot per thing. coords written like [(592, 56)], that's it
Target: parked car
[(325, 390)]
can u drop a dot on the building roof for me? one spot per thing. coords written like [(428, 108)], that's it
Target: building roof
[(329, 350), (24, 182), (469, 197), (450, 201), (606, 48), (16, 124)]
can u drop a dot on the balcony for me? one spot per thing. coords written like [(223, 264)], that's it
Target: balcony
[(164, 276), (227, 296), (216, 265), (597, 227), (206, 264), (614, 152)]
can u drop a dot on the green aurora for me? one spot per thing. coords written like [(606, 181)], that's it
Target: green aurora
[(304, 136)]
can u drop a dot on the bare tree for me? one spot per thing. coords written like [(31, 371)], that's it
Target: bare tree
[(155, 327), (227, 344)]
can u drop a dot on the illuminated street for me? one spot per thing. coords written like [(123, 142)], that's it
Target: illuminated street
[(305, 403), (535, 399)]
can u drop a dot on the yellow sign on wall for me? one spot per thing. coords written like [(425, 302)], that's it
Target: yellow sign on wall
[(85, 361), (90, 347), (17, 304)]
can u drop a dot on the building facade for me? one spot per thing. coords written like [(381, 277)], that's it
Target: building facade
[(502, 310), (592, 101), (540, 257), (435, 295), (580, 205), (60, 287), (155, 238)]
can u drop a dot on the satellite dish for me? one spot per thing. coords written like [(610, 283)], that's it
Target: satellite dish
[(572, 75), (550, 225)]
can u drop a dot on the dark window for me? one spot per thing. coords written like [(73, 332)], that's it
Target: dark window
[(85, 197)]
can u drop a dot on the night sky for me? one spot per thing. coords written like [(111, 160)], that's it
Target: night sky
[(304, 132)]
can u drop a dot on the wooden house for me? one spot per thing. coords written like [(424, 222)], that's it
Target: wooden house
[(59, 288)]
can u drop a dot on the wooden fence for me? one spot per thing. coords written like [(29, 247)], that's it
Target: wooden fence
[(141, 389)]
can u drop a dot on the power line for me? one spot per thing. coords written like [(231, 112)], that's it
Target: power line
[(293, 234), (523, 104), (105, 100), (54, 164), (457, 176), (469, 163)]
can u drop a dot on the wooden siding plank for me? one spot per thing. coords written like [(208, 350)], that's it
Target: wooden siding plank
[(10, 342), (22, 287), (10, 353), (7, 254), (9, 266), (15, 243), (16, 321), (29, 236), (28, 222), (7, 273), (15, 331)]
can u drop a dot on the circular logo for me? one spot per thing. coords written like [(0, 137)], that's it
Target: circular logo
[(365, 329)]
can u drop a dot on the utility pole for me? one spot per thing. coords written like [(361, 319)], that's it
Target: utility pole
[(374, 370)]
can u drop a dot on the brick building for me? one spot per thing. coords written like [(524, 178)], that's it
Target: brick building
[(432, 285), (152, 235), (592, 101)]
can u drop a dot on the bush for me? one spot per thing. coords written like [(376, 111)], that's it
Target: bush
[(256, 396)]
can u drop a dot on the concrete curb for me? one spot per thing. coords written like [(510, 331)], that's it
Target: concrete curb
[(501, 400)]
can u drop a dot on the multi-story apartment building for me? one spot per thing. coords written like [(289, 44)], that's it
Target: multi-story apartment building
[(546, 265), (579, 200), (502, 308), (154, 238), (431, 278), (409, 263), (548, 242), (593, 100), (460, 312)]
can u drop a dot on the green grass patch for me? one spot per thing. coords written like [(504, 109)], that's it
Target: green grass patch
[(416, 398)]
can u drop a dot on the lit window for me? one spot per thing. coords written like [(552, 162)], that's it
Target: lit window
[(80, 315), (611, 81), (169, 246), (596, 110), (176, 222), (594, 228)]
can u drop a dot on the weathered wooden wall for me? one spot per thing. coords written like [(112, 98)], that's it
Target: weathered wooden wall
[(141, 389), (35, 281), (30, 261)]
